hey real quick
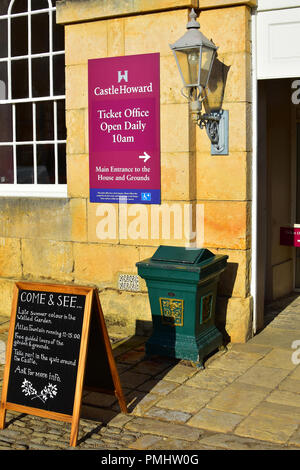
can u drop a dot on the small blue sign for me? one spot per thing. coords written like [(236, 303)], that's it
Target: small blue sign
[(146, 196), (125, 196)]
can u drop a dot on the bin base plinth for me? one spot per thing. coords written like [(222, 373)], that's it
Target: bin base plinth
[(190, 348)]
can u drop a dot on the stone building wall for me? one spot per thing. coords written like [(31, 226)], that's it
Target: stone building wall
[(57, 240)]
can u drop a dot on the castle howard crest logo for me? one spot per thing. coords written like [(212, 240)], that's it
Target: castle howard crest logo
[(123, 76)]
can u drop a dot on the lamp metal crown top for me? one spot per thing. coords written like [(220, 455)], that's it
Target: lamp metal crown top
[(193, 23)]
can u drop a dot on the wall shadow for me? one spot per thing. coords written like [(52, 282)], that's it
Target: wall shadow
[(273, 309), (139, 374), (225, 291), (142, 375)]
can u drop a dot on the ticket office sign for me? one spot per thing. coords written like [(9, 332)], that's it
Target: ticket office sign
[(290, 236), (124, 129)]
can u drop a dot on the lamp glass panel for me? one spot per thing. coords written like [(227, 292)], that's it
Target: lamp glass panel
[(188, 60), (214, 92), (207, 57)]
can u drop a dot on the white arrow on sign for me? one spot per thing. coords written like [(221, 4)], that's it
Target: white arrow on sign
[(145, 157)]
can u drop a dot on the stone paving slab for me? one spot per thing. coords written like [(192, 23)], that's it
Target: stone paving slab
[(163, 387), (212, 379), (290, 385), (295, 374), (284, 398), (173, 416), (151, 426), (295, 439), (292, 324), (247, 398), (187, 399), (279, 359), (4, 323), (231, 442), (235, 361), (266, 428), (263, 376), (276, 338), (215, 420), (268, 409), (179, 373), (249, 348), (239, 398), (139, 403)]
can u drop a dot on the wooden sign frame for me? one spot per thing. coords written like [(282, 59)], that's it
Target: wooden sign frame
[(92, 305)]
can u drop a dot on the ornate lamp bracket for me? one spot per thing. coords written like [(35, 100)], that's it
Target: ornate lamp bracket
[(216, 126)]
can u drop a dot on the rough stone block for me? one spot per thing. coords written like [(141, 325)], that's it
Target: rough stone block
[(170, 81), (78, 219), (46, 259), (78, 176), (10, 258), (92, 38), (175, 176), (226, 224), (154, 32), (115, 37), (175, 128), (35, 218), (67, 12), (171, 223), (126, 313), (6, 295), (75, 122), (234, 318), (76, 86), (225, 3), (103, 223), (235, 280), (100, 265), (222, 177), (238, 84), (228, 27)]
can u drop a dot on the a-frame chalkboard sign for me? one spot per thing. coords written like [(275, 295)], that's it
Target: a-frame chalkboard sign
[(57, 346)]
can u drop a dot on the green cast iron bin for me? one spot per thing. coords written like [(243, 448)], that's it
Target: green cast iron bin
[(182, 287)]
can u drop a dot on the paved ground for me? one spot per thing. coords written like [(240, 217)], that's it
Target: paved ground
[(247, 398)]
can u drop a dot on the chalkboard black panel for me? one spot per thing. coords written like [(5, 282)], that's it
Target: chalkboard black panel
[(97, 370), (56, 334), (45, 350)]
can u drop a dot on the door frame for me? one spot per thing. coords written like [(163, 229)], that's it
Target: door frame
[(295, 120)]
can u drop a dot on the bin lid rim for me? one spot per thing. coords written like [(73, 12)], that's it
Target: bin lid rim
[(182, 255)]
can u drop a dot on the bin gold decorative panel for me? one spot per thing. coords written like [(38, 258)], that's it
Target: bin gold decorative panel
[(171, 311)]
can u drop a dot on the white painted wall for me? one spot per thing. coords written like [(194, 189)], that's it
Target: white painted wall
[(278, 41), (276, 4)]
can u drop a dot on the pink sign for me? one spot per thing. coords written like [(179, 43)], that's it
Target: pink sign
[(290, 236), (124, 129)]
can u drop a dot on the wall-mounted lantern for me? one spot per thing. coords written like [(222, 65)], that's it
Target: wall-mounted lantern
[(195, 56)]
